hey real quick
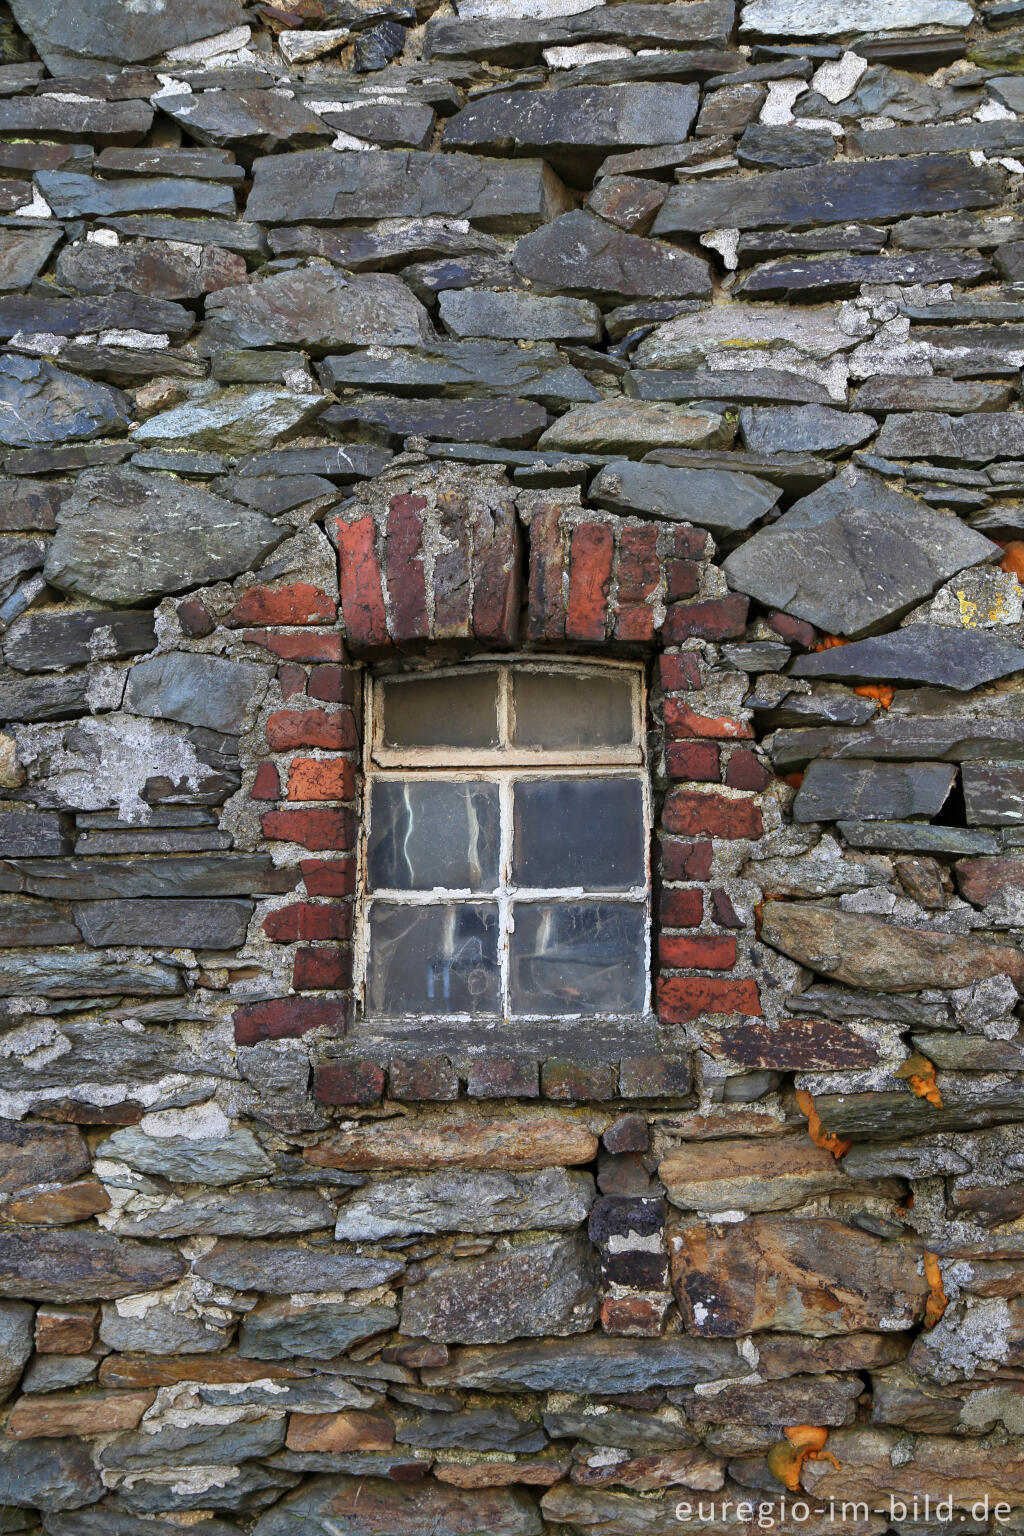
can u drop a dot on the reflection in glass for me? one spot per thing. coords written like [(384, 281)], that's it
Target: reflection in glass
[(572, 709), (578, 832), (460, 710), (427, 960), (433, 832), (581, 957)]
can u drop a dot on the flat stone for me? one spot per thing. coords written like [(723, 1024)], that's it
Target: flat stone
[(16, 1336), (316, 308), (992, 794), (916, 837), (951, 1469), (228, 1158), (283, 1268), (854, 555), (794, 1045), (48, 1475), (72, 196), (498, 195), (697, 337), (490, 368), (233, 421), (81, 1266), (749, 1175), (823, 1400), (905, 738), (24, 834), (263, 121), (998, 138), (800, 1276), (475, 312), (40, 1154), (125, 536), (575, 128), (521, 40), (618, 1427), (590, 1365), (75, 316), (952, 439), (167, 160), (110, 122), (164, 1327), (213, 691), (840, 277), (82, 975), (191, 876), (539, 1287), (900, 392), (45, 698), (43, 404), (318, 1330), (710, 498), (838, 18), (865, 951), (924, 653), (59, 1414), (769, 147), (515, 423), (830, 194), (868, 791), (105, 29), (27, 922), (156, 269), (744, 386), (165, 924), (373, 1506), (260, 1213), (59, 1373), (379, 247), (633, 428), (402, 124), (23, 255), (898, 1116), (803, 429), (524, 1143), (479, 1202)]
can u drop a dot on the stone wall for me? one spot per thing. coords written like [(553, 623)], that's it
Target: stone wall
[(355, 334)]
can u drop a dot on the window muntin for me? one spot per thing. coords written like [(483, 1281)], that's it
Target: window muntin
[(487, 894)]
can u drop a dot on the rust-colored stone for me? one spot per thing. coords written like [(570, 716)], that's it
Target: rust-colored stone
[(526, 1141), (66, 1330), (89, 1413), (591, 551), (350, 1431)]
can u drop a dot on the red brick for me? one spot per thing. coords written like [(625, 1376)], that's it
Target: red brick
[(639, 570), (591, 551), (194, 619), (746, 772), (685, 861), (322, 970), (313, 829), (407, 589), (311, 778), (575, 1082), (692, 760), (723, 911), (679, 671), (348, 1082), (697, 814), (634, 621), (681, 999), (502, 1077), (329, 877), (362, 601), (288, 728), (546, 603), (304, 920), (291, 679), (701, 953), (334, 685), (451, 575), (652, 1077), (793, 631), (722, 618), (308, 647), (682, 578), (690, 543), (423, 1078), (285, 1018), (497, 578), (681, 909), (297, 603), (266, 785), (681, 720)]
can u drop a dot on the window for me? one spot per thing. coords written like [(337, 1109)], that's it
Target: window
[(506, 843)]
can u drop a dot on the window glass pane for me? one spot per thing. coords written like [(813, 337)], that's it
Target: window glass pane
[(460, 710), (441, 959), (578, 832), (433, 833), (580, 957), (579, 709)]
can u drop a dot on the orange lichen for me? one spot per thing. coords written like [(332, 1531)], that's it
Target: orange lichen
[(794, 780), (1013, 559), (937, 1301), (803, 1442), (919, 1074), (883, 692), (817, 1132), (829, 643)]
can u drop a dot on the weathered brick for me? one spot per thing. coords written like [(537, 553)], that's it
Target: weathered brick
[(452, 580), (502, 1077), (723, 911), (700, 953), (695, 761), (297, 603), (497, 564), (721, 618), (285, 1018), (685, 861), (316, 830), (288, 728), (307, 920), (634, 621), (704, 814), (682, 579), (679, 671), (362, 600), (653, 1077), (634, 1316), (591, 551), (422, 1078), (681, 908), (638, 572), (793, 631), (329, 877), (322, 970), (312, 778), (194, 619), (348, 1082), (691, 543), (681, 720), (407, 590), (745, 771), (681, 999), (302, 647), (546, 603), (291, 679), (577, 1081), (266, 785), (334, 685)]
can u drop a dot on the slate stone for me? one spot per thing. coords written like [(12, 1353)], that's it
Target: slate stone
[(212, 691), (865, 951), (317, 1330), (233, 421), (573, 129), (803, 429), (48, 1475), (186, 1445), (24, 922), (830, 194), (840, 277), (282, 1268), (517, 423), (993, 794), (490, 1429), (72, 196), (43, 698), (23, 255), (16, 1333), (106, 122), (509, 316), (125, 536), (916, 837), (766, 147), (164, 924), (156, 269), (370, 1506), (701, 336), (81, 1266), (954, 738), (388, 125), (59, 1373), (867, 791), (853, 556), (247, 119), (163, 1329), (25, 834), (227, 1159), (633, 428), (543, 1287), (318, 309), (83, 975), (43, 404), (579, 254), (455, 368), (710, 498), (797, 18), (224, 234), (239, 1489), (259, 1213), (72, 317), (476, 1202), (753, 386), (44, 642), (922, 653), (105, 29), (404, 184), (952, 439), (595, 1365), (381, 247), (993, 138), (898, 392), (521, 40)]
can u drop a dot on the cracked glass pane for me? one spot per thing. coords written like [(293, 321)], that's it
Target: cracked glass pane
[(437, 959), (577, 957), (578, 832), (572, 710), (433, 833), (460, 710)]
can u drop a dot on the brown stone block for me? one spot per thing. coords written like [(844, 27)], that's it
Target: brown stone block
[(793, 1045), (423, 1077), (668, 1469), (91, 1413), (524, 1142), (49, 1207), (641, 1317), (499, 1474), (577, 1081), (351, 1431), (750, 1175), (66, 1330)]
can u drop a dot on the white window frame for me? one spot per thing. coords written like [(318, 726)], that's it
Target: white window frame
[(503, 765)]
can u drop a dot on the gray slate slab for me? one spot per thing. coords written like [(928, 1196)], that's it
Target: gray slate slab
[(712, 498), (922, 653), (867, 791), (165, 924), (211, 691), (41, 404), (583, 255)]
